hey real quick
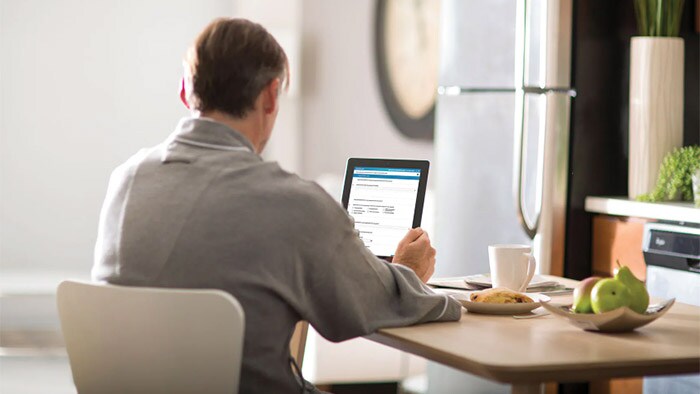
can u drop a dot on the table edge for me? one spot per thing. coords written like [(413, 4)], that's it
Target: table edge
[(554, 373)]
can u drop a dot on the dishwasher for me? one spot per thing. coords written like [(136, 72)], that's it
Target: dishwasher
[(672, 255)]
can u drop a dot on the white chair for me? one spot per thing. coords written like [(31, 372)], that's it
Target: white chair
[(150, 340)]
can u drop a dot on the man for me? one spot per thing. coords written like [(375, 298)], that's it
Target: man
[(203, 210)]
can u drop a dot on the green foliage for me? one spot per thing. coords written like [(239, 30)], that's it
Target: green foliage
[(658, 18), (675, 176)]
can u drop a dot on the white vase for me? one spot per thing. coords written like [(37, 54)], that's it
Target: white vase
[(656, 108)]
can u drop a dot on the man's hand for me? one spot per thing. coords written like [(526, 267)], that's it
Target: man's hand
[(415, 252)]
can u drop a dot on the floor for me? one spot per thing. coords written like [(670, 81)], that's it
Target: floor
[(35, 375), (35, 362)]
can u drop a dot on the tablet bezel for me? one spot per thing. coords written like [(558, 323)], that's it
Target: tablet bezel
[(422, 165)]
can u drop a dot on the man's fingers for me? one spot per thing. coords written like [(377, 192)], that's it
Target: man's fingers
[(426, 234), (423, 239), (411, 236)]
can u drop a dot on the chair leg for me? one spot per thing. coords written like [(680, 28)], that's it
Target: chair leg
[(298, 342)]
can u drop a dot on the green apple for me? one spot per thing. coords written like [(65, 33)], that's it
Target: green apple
[(582, 295), (640, 296), (609, 294)]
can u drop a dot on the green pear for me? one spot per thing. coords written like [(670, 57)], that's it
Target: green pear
[(609, 294), (582, 295), (638, 292)]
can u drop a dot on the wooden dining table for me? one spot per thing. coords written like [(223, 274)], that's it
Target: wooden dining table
[(529, 352)]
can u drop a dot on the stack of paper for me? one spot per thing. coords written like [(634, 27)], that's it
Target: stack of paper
[(451, 283), (538, 284)]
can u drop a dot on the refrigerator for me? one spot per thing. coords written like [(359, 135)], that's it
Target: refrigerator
[(501, 141), (502, 130)]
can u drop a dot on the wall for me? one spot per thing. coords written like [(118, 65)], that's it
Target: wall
[(343, 115), (282, 18), (84, 84)]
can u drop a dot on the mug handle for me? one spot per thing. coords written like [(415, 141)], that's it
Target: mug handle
[(531, 266)]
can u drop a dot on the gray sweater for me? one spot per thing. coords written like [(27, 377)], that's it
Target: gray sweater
[(202, 210)]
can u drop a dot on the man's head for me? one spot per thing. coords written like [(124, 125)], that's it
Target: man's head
[(236, 68)]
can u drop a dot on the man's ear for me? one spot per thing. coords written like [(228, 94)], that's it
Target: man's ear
[(183, 93), (271, 97)]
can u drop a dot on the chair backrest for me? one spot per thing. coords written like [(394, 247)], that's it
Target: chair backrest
[(150, 340)]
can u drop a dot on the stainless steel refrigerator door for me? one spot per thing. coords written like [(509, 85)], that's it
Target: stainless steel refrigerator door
[(479, 40), (477, 43), (473, 178)]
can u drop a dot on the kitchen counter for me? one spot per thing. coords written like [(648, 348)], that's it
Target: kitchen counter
[(622, 206)]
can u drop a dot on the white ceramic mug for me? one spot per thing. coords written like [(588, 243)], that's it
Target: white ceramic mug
[(512, 266)]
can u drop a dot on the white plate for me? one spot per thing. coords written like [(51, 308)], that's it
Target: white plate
[(499, 309)]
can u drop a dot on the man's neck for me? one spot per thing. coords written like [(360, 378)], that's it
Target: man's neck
[(246, 126)]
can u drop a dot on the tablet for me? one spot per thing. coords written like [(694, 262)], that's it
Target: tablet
[(385, 198)]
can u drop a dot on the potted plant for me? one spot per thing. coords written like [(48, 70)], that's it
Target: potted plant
[(676, 176), (656, 91)]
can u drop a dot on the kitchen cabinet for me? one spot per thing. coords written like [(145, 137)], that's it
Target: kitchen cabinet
[(617, 239)]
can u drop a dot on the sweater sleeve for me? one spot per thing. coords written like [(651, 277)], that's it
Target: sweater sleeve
[(350, 292)]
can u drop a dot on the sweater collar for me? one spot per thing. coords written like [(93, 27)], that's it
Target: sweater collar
[(210, 134)]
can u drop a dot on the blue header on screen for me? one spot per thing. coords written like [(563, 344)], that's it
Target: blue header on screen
[(394, 173), (416, 170)]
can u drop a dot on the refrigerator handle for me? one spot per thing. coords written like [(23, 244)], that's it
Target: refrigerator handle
[(519, 160), (519, 134)]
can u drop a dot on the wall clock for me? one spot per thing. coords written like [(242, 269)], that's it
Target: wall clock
[(407, 55)]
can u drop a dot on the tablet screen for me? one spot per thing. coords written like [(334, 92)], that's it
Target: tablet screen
[(382, 201)]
